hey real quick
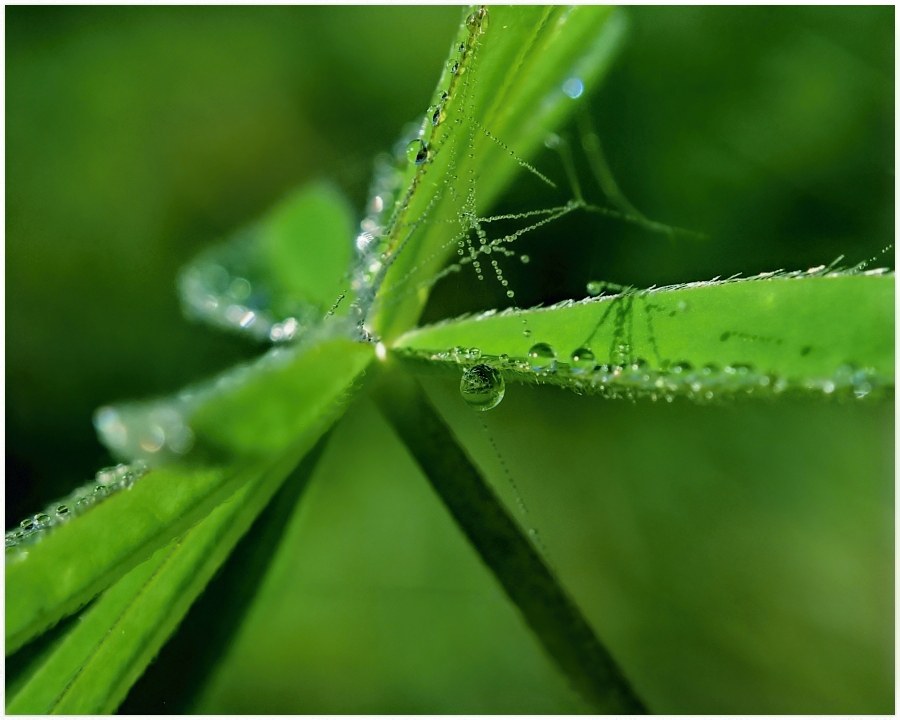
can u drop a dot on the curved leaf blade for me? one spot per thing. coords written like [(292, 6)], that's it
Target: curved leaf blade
[(289, 266), (815, 332)]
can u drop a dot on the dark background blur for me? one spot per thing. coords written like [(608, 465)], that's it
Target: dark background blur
[(137, 136)]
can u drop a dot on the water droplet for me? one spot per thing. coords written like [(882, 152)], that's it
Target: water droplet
[(639, 365), (472, 354), (739, 369), (42, 520), (525, 259), (710, 370), (482, 387), (453, 66), (594, 288), (504, 358), (573, 88), (583, 361), (681, 368), (417, 152), (27, 525), (478, 20), (240, 289), (152, 439), (542, 358), (62, 510), (11, 540), (510, 294)]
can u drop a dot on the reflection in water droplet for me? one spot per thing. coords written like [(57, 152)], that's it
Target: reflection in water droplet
[(582, 361), (417, 152), (482, 387), (542, 358)]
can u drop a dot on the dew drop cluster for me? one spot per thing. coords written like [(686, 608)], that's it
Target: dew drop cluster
[(106, 482), (393, 185), (637, 378), (227, 287)]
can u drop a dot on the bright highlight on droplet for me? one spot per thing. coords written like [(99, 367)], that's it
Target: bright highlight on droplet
[(573, 87)]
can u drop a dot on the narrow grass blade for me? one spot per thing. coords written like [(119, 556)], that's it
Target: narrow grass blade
[(530, 584), (92, 668), (177, 676), (503, 90)]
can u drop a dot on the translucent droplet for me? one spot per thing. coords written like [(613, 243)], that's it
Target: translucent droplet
[(681, 368), (710, 370), (594, 288), (436, 113), (453, 66), (472, 354), (482, 387), (504, 358), (542, 358), (573, 87), (11, 540), (27, 524), (62, 510), (525, 259), (583, 361), (42, 520), (417, 152), (639, 365), (739, 369), (477, 21)]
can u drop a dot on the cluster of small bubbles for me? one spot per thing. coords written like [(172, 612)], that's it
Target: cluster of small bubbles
[(542, 358), (482, 387), (477, 22), (105, 483), (210, 293), (638, 379), (146, 432)]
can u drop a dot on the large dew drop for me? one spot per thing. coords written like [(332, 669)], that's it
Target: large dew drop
[(482, 387), (417, 152), (582, 361), (542, 358)]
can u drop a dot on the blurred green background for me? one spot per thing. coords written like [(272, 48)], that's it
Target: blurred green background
[(137, 136)]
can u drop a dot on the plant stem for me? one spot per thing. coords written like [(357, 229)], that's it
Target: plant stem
[(552, 615)]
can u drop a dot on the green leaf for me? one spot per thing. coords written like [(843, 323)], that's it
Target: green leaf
[(805, 331), (268, 411), (504, 98), (93, 666), (292, 263)]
